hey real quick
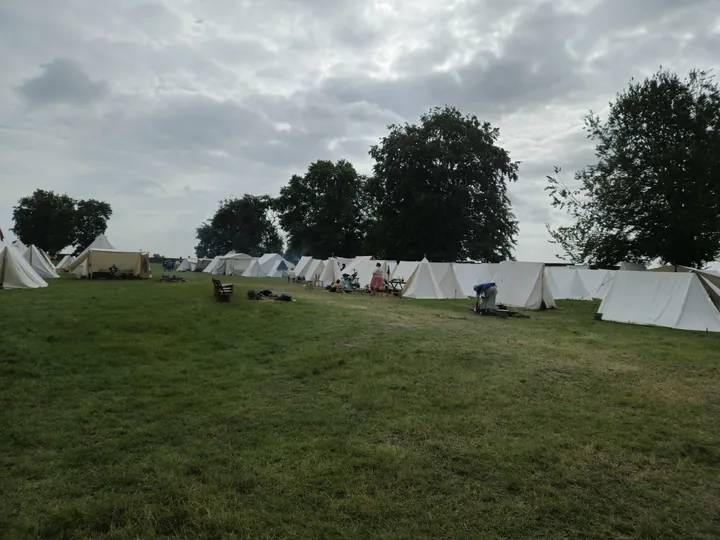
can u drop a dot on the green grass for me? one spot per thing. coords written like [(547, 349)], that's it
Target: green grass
[(146, 410)]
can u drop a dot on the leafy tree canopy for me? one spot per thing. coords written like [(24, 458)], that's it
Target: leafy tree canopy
[(55, 221), (322, 211), (440, 190), (243, 225), (654, 192)]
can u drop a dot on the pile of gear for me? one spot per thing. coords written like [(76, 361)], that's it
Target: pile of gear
[(268, 295)]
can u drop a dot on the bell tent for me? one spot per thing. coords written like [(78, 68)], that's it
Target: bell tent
[(15, 271), (111, 261)]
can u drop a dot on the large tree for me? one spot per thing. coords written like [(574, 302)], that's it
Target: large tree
[(54, 221), (654, 192), (322, 211), (91, 217), (440, 190), (243, 225)]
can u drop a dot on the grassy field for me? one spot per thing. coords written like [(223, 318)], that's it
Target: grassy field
[(146, 410)]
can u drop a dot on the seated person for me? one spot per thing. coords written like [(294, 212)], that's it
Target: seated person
[(347, 284)]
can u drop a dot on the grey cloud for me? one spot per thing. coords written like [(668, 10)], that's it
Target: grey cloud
[(200, 111), (62, 81), (154, 19)]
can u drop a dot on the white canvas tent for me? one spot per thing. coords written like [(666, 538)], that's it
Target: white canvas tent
[(566, 284), (267, 260), (193, 264), (65, 262), (302, 265), (253, 270), (210, 268), (355, 264), (269, 265), (313, 271), (100, 242), (187, 265), (16, 272), (595, 280), (405, 269), (105, 261), (709, 280), (440, 269), (279, 268), (331, 272), (19, 246), (234, 264), (366, 267), (449, 285), (605, 285), (422, 283), (40, 262), (471, 274), (670, 299), (523, 284)]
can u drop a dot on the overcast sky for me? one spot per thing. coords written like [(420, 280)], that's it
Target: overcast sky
[(164, 107)]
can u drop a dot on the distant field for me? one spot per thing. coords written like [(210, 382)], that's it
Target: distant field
[(146, 410)]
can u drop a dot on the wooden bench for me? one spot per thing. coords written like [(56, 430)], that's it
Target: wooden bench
[(223, 292)]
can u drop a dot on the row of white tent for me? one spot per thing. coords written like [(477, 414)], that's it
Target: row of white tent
[(674, 297), (241, 264), (24, 267)]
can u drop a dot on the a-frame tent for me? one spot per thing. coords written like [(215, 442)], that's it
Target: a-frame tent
[(670, 299), (279, 267), (709, 280), (523, 284), (66, 261), (254, 270), (313, 270), (19, 246), (331, 272), (302, 265), (566, 284), (40, 262), (594, 280), (471, 274), (422, 284), (404, 270)]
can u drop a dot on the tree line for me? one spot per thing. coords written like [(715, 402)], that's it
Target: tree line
[(439, 189)]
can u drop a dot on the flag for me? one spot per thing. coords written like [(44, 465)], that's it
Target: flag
[(2, 236)]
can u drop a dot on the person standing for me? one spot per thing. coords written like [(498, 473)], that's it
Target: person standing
[(376, 283)]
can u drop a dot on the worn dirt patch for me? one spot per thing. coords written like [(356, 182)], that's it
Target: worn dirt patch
[(401, 324), (346, 345)]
